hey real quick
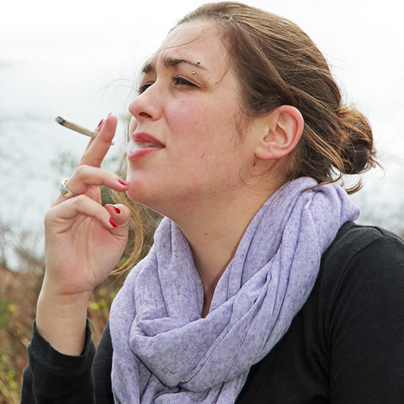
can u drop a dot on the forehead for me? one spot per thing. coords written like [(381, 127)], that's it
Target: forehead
[(195, 41)]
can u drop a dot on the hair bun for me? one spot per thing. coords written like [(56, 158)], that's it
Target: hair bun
[(357, 149)]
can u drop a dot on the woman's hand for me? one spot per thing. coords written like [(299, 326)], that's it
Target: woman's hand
[(83, 243)]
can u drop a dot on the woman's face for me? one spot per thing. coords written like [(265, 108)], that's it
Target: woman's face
[(185, 148)]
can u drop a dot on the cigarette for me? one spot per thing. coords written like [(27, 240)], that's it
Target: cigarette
[(77, 128)]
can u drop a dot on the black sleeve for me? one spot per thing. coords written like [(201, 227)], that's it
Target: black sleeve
[(102, 366), (52, 377), (365, 334)]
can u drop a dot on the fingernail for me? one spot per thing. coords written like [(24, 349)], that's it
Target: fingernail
[(113, 223), (123, 182), (117, 210), (102, 120)]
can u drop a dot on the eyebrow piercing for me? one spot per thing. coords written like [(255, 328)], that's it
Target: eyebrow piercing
[(198, 62), (193, 72)]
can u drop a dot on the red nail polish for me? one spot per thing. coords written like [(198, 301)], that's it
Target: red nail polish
[(113, 223), (117, 210), (102, 120), (123, 182)]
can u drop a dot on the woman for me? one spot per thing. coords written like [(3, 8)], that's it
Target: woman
[(259, 287)]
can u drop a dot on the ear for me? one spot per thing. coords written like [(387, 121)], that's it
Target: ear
[(284, 127)]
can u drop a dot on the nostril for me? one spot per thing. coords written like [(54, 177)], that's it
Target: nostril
[(145, 115)]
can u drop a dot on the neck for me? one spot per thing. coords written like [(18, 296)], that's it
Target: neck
[(214, 231)]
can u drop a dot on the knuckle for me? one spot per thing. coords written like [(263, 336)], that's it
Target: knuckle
[(78, 200), (81, 170)]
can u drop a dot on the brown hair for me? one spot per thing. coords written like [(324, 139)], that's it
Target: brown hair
[(277, 64), (142, 224)]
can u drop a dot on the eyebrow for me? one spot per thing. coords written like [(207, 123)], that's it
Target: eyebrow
[(170, 62)]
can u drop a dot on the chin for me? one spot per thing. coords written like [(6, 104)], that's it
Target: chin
[(142, 192)]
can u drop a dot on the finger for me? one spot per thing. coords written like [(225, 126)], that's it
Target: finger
[(90, 142), (86, 177), (97, 129), (98, 147), (74, 207), (121, 215)]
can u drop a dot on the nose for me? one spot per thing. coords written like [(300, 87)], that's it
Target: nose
[(146, 106)]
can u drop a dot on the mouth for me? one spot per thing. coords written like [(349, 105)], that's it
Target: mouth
[(141, 143)]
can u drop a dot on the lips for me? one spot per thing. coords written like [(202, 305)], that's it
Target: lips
[(145, 140), (142, 144)]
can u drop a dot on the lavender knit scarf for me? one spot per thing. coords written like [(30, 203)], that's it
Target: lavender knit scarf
[(164, 352)]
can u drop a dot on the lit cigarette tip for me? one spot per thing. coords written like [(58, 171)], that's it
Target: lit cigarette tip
[(60, 120)]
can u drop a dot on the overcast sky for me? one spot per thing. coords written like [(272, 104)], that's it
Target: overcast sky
[(78, 59)]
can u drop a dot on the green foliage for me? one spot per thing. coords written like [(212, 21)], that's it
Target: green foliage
[(19, 293), (17, 310), (106, 196), (6, 308)]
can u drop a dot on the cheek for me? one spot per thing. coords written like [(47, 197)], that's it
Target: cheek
[(188, 113), (199, 123)]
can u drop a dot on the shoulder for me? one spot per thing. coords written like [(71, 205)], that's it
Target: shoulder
[(359, 250), (361, 309), (361, 280), (364, 257), (353, 238)]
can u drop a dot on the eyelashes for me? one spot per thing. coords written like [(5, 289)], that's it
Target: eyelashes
[(143, 87), (178, 81), (182, 82)]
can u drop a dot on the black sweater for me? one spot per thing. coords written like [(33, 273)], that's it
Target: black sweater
[(346, 344)]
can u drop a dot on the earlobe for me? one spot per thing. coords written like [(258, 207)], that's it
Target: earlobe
[(285, 127)]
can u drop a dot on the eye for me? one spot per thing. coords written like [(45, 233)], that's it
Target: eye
[(143, 87), (180, 81)]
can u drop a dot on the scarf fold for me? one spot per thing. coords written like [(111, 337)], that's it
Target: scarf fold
[(164, 352)]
